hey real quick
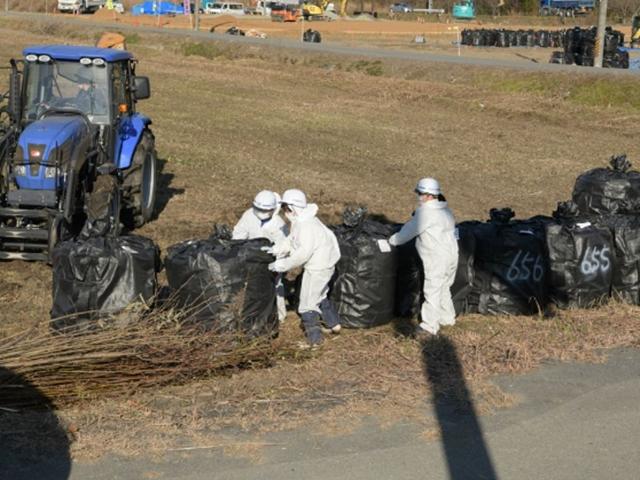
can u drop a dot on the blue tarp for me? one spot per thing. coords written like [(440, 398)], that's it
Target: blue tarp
[(157, 8)]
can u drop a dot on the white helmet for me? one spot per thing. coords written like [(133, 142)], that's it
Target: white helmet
[(266, 200), (428, 185), (294, 197)]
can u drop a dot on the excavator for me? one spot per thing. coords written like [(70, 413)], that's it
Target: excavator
[(635, 29), (315, 9)]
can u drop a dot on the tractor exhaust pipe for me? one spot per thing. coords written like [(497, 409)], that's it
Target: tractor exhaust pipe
[(15, 93)]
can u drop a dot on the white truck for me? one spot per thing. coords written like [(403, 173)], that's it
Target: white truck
[(264, 7), (80, 6), (229, 8)]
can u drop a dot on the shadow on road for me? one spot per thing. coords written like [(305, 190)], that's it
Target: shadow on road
[(462, 439), (33, 444)]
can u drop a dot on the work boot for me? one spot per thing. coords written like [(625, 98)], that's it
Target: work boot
[(330, 316), (421, 333), (311, 325)]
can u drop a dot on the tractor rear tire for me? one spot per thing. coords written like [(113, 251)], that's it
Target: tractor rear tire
[(140, 184)]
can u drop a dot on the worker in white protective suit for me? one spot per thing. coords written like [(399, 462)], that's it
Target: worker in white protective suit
[(262, 220), (433, 227), (314, 247)]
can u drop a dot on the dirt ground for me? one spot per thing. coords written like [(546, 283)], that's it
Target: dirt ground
[(344, 131)]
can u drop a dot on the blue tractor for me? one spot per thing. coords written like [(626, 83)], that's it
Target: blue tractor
[(76, 158)]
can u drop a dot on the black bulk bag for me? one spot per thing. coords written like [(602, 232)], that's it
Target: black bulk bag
[(581, 259), (477, 38), (225, 285), (608, 190), (463, 284), (312, 36), (410, 281), (466, 37), (557, 57), (363, 289), (100, 276), (510, 266), (501, 39), (625, 229)]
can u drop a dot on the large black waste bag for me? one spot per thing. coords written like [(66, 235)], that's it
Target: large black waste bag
[(101, 276), (364, 287), (410, 280), (581, 259), (225, 285), (510, 266), (608, 190), (463, 284), (312, 36), (625, 284)]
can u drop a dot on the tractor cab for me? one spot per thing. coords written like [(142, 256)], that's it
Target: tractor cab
[(76, 148)]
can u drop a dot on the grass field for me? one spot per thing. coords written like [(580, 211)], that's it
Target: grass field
[(230, 121)]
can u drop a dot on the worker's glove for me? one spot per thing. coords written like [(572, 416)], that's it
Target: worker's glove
[(392, 241), (277, 266), (281, 249)]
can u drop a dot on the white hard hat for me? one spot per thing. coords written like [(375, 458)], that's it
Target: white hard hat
[(428, 185), (294, 197), (266, 200)]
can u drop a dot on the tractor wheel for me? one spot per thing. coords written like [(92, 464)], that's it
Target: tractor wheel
[(103, 208), (140, 183)]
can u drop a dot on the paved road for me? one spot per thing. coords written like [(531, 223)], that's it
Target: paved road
[(329, 47), (574, 422)]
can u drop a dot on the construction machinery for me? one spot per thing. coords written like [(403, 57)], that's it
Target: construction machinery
[(635, 30), (314, 10), (465, 10), (76, 158), (282, 12)]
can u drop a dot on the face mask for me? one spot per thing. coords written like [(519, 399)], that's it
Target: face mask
[(263, 215)]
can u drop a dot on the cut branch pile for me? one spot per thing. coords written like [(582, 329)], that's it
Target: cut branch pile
[(119, 357)]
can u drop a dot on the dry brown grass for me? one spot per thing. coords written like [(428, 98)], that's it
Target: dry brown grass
[(235, 124), (374, 374)]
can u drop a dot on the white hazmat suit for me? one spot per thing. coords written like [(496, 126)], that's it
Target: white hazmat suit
[(274, 229), (433, 226), (313, 246)]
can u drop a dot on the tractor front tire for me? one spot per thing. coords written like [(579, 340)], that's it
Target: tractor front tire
[(140, 183)]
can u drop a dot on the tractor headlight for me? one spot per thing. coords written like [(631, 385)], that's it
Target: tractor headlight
[(20, 170), (50, 172)]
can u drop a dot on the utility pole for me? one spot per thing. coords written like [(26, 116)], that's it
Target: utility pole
[(196, 13), (602, 25)]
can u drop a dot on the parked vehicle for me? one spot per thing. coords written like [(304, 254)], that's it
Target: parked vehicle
[(566, 7), (400, 8), (229, 8), (80, 6), (465, 10)]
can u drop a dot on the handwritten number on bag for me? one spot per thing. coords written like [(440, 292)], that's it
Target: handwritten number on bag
[(524, 267), (595, 260)]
